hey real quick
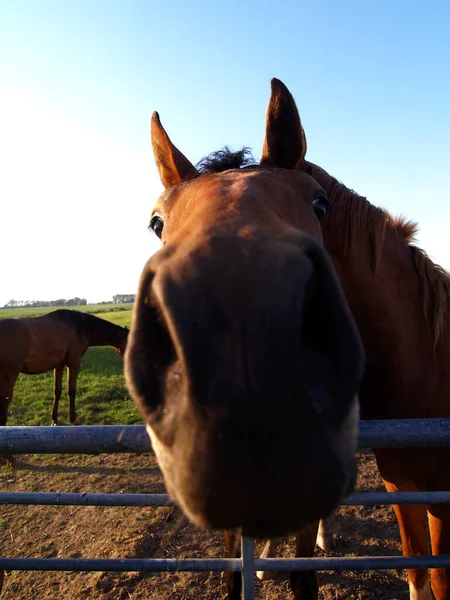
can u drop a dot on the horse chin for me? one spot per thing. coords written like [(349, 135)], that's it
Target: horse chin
[(211, 509), (162, 455)]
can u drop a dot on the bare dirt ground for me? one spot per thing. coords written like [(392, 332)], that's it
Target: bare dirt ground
[(95, 532)]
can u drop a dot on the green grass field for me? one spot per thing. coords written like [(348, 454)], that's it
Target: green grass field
[(102, 398), (93, 309)]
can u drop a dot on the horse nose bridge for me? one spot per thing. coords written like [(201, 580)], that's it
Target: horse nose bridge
[(237, 271), (231, 298), (223, 284)]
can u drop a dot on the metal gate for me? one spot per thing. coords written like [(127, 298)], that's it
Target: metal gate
[(134, 439)]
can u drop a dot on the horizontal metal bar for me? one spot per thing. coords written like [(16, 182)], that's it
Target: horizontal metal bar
[(404, 433), (63, 499), (351, 564), (85, 499), (372, 498), (224, 564), (85, 439), (142, 565), (93, 439)]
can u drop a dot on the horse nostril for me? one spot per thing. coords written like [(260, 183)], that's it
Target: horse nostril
[(150, 350)]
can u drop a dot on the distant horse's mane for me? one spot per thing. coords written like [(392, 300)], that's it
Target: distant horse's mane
[(355, 221), (84, 322)]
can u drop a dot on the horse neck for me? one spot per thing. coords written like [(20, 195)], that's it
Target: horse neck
[(385, 287), (398, 297), (102, 333)]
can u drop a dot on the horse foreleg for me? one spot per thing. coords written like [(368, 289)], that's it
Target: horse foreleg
[(304, 583), (439, 521), (233, 579), (73, 370), (270, 551), (414, 535), (58, 375), (325, 539)]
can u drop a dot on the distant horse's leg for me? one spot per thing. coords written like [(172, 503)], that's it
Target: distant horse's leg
[(325, 538), (325, 541), (58, 375), (73, 370), (7, 383), (4, 403), (304, 583), (270, 551), (6, 392), (439, 520), (414, 534), (233, 580)]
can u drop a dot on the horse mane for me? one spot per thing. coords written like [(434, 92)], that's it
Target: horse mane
[(225, 159), (84, 322), (71, 317), (355, 222)]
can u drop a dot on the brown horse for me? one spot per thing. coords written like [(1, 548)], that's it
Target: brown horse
[(243, 357), (400, 300), (53, 341)]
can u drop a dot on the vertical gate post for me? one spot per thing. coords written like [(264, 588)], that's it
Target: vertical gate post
[(248, 568)]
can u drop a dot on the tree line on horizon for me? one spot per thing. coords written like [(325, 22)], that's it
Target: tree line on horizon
[(116, 299)]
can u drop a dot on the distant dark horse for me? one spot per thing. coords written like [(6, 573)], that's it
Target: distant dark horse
[(53, 341), (243, 356)]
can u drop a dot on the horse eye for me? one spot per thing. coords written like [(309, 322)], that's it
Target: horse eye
[(157, 225), (321, 206)]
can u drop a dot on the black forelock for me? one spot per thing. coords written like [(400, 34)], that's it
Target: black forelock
[(225, 159)]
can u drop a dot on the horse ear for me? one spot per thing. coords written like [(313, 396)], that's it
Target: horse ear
[(172, 165), (285, 142)]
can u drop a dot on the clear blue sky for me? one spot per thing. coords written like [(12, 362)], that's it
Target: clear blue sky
[(80, 79)]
